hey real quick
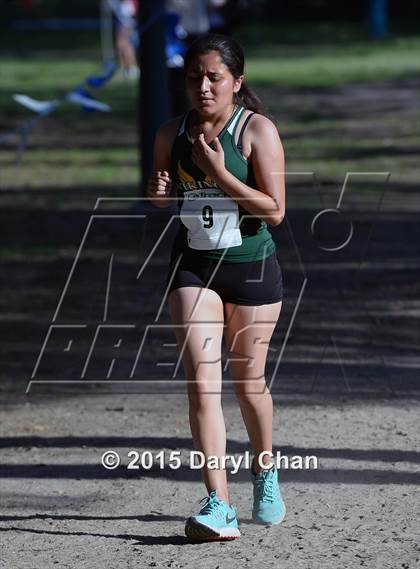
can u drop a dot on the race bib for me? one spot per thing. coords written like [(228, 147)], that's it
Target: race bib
[(212, 219)]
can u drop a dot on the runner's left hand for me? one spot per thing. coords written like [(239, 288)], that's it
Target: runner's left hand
[(211, 162)]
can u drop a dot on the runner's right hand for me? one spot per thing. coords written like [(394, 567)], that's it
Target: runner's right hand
[(159, 185)]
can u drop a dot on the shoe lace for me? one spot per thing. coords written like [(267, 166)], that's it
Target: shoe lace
[(265, 488), (212, 503)]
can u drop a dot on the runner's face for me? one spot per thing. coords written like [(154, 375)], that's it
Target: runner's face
[(210, 84)]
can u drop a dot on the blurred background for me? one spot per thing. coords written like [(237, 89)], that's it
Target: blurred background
[(341, 82)]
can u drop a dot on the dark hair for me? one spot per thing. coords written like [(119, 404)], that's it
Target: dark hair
[(232, 55)]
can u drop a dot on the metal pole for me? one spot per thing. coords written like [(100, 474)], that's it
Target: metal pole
[(378, 18), (154, 96)]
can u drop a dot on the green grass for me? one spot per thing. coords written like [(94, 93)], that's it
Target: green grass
[(63, 168), (278, 60), (322, 66), (109, 168), (334, 171), (47, 80), (70, 149), (325, 54)]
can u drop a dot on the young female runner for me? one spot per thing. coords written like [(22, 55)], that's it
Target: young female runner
[(224, 161)]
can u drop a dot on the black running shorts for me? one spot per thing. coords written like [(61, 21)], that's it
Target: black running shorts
[(251, 283)]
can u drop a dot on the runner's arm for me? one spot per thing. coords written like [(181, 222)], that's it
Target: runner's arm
[(162, 162), (268, 200)]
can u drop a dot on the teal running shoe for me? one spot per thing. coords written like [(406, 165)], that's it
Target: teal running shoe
[(269, 507), (216, 520)]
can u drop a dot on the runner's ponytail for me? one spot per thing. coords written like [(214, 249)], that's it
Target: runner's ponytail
[(249, 99)]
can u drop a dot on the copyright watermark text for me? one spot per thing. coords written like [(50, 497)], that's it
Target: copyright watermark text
[(174, 459)]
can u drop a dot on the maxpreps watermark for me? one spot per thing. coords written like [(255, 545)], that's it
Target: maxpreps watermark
[(147, 460)]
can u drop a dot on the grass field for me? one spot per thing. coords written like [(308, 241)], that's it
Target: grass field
[(300, 72)]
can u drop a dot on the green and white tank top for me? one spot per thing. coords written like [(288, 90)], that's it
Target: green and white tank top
[(211, 222)]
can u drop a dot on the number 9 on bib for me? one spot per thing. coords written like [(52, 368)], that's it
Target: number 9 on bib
[(212, 219)]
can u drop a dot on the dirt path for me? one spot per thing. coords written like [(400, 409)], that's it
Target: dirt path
[(61, 508)]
